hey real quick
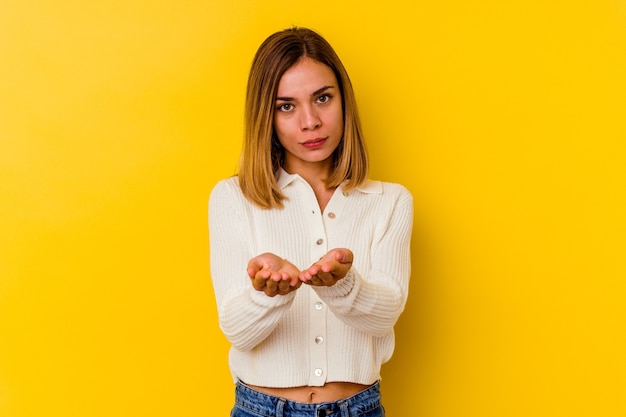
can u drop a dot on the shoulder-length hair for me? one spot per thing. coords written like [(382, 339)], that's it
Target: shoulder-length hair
[(262, 155)]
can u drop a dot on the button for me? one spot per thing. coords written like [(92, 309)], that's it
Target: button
[(319, 305), (331, 215), (320, 241), (318, 372), (319, 340)]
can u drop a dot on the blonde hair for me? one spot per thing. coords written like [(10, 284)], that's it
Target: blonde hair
[(262, 154)]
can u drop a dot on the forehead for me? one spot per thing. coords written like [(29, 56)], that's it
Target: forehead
[(306, 74)]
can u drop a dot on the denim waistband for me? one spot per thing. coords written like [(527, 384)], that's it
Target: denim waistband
[(268, 405)]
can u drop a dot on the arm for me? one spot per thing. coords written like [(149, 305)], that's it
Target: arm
[(247, 316), (373, 302)]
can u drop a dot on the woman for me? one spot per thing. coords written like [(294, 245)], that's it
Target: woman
[(302, 211)]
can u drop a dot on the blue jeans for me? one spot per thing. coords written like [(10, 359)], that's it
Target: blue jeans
[(252, 403)]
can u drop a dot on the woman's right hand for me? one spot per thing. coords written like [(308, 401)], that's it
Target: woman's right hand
[(273, 275)]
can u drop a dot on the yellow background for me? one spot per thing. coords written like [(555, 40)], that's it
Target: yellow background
[(506, 119)]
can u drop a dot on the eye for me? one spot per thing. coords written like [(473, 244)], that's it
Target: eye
[(285, 107), (324, 98)]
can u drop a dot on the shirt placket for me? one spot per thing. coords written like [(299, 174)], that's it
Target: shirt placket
[(318, 310)]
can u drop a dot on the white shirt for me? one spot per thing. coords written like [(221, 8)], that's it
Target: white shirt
[(316, 334)]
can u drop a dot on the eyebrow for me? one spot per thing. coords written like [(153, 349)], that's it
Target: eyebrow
[(314, 93)]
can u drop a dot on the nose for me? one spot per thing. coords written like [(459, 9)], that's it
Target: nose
[(310, 119)]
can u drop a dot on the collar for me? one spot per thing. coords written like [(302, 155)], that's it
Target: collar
[(369, 187)]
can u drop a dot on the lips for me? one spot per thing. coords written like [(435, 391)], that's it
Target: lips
[(314, 143)]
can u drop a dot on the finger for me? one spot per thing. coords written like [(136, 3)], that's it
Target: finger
[(310, 274), (258, 283), (283, 287), (263, 274), (319, 281), (326, 278), (344, 256), (305, 276), (307, 280), (313, 269), (274, 276), (271, 285), (269, 293), (253, 267), (296, 281)]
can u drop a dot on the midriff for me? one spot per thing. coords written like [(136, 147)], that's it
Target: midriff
[(332, 391)]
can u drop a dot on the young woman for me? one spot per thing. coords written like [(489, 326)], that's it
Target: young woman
[(309, 259)]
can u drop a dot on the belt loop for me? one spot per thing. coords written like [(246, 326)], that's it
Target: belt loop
[(345, 412), (279, 407)]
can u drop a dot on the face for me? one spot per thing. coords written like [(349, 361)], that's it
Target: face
[(308, 117)]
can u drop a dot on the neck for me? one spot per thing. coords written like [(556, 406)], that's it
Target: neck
[(315, 175)]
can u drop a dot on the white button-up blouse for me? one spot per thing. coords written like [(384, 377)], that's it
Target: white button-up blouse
[(316, 334)]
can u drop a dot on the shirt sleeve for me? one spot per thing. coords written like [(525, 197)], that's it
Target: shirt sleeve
[(374, 304), (246, 316)]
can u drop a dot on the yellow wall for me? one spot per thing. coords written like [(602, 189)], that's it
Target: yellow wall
[(505, 119)]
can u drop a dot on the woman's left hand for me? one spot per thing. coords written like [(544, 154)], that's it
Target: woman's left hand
[(329, 269)]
